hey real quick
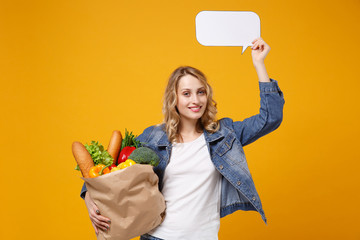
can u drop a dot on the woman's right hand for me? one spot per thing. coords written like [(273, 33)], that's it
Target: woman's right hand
[(98, 221)]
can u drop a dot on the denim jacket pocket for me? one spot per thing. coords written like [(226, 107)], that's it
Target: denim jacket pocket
[(231, 151)]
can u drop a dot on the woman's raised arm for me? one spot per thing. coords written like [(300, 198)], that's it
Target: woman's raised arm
[(260, 49)]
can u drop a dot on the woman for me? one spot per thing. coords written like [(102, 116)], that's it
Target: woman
[(206, 175)]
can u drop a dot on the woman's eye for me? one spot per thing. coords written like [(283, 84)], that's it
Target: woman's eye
[(201, 92), (186, 93)]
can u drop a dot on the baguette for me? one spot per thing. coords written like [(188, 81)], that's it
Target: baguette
[(115, 145), (83, 158)]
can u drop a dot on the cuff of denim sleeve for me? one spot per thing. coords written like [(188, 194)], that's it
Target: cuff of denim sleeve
[(83, 191), (271, 86), (82, 194)]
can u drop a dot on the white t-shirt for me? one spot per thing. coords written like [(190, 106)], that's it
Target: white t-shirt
[(191, 188)]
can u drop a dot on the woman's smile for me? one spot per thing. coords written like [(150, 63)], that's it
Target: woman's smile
[(195, 109)]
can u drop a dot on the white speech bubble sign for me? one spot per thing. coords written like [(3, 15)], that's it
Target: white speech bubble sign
[(227, 28)]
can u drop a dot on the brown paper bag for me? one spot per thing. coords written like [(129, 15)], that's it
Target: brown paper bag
[(130, 198)]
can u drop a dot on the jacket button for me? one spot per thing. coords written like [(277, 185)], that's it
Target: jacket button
[(221, 167), (238, 183), (253, 198)]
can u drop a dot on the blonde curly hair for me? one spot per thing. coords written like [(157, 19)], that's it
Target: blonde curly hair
[(171, 115)]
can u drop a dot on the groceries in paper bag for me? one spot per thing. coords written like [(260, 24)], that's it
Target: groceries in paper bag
[(123, 185)]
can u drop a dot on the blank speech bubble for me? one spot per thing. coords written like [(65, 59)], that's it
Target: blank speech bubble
[(227, 28)]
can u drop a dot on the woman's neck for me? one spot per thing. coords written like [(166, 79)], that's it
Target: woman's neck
[(189, 132)]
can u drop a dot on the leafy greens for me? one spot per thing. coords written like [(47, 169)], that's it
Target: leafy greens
[(98, 154)]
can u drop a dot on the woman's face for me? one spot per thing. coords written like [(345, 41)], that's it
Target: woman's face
[(191, 98)]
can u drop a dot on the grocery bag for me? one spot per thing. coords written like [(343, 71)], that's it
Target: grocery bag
[(130, 198)]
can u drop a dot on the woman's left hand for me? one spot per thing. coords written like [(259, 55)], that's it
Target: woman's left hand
[(259, 50)]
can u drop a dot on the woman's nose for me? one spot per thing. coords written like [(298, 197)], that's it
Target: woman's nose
[(195, 98)]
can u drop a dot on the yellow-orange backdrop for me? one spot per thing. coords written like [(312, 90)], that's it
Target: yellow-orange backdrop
[(76, 70)]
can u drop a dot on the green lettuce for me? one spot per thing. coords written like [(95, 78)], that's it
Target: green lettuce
[(98, 154)]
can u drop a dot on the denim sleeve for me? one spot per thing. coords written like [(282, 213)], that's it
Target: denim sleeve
[(144, 137), (270, 117), (83, 191)]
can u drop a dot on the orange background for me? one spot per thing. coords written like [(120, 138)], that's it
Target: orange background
[(77, 70)]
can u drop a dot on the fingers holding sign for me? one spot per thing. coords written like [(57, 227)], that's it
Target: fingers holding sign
[(260, 49)]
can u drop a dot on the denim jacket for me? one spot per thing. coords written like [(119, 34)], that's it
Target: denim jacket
[(225, 146)]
